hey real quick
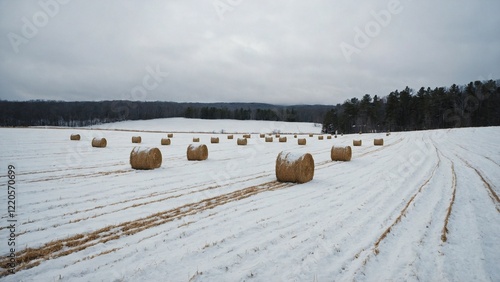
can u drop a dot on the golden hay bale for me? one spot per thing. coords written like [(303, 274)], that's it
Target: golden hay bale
[(214, 140), (294, 168), (262, 135), (136, 139), (278, 135), (329, 137), (341, 153), (242, 141), (170, 135), (99, 142), (165, 141), (269, 139), (74, 137), (247, 136), (195, 139), (311, 135), (320, 137), (302, 141), (197, 152), (282, 139), (230, 137), (356, 142), (145, 158), (378, 142), (295, 136)]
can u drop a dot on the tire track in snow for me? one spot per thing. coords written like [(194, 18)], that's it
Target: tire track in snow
[(32, 257), (491, 193)]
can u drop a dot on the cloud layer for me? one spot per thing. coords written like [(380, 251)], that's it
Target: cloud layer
[(285, 52)]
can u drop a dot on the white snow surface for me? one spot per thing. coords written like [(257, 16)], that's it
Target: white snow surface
[(214, 126), (228, 219)]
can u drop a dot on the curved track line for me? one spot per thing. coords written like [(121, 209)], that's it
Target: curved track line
[(450, 206), (32, 257)]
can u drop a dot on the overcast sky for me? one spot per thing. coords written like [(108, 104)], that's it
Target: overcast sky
[(282, 52)]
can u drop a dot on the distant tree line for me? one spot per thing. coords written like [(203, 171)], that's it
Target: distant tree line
[(75, 114), (474, 104)]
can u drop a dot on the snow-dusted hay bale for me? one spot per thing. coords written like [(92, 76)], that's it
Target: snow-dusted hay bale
[(278, 135), (295, 136), (378, 142), (356, 142), (242, 141), (145, 158), (282, 139), (197, 152), (262, 135), (136, 139), (269, 139), (170, 135), (329, 137), (247, 136), (294, 167), (320, 137), (196, 139), (301, 141), (99, 142), (311, 135), (165, 141), (214, 140), (230, 137), (75, 137), (341, 153)]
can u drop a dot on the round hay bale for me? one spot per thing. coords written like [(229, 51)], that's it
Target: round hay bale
[(75, 137), (378, 142), (170, 135), (136, 139), (301, 141), (247, 136), (295, 136), (329, 137), (282, 139), (335, 136), (356, 142), (230, 137), (214, 140), (197, 152), (294, 168), (99, 142), (278, 135), (165, 141), (145, 158), (242, 141), (311, 135), (195, 139), (320, 137), (269, 139), (341, 153), (262, 135)]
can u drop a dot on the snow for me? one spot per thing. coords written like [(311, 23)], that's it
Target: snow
[(228, 219), (290, 157)]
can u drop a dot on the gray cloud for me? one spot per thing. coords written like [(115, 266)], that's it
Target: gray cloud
[(282, 52)]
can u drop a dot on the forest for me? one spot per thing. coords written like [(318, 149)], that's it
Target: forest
[(474, 104)]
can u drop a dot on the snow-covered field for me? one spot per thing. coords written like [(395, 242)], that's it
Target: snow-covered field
[(87, 216)]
